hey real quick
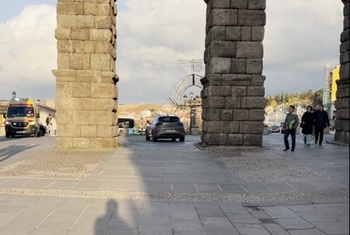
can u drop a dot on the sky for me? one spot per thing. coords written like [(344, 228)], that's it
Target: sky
[(157, 39)]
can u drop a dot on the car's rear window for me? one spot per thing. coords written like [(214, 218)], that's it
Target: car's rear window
[(169, 119)]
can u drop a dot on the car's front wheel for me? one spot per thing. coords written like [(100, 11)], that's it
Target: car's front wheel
[(147, 136), (182, 139)]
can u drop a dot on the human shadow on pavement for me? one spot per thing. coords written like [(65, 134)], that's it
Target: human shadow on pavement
[(111, 223), (12, 150)]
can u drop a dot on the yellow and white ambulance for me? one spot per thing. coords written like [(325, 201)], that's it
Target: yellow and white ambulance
[(22, 118)]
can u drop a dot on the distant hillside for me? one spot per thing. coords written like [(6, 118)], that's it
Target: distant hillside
[(137, 108)]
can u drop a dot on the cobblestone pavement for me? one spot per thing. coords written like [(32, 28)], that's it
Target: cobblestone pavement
[(173, 188)]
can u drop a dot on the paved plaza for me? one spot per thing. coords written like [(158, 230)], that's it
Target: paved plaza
[(165, 187)]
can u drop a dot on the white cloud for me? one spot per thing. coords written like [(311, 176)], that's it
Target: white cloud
[(301, 36), (28, 53), (152, 36)]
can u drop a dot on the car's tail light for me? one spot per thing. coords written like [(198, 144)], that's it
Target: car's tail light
[(180, 123)]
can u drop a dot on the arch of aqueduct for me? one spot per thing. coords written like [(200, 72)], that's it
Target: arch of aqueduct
[(233, 86)]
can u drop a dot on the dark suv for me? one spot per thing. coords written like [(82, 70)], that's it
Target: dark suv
[(165, 126)]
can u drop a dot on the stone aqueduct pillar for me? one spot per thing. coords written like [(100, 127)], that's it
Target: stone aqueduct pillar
[(233, 87), (86, 91), (343, 98)]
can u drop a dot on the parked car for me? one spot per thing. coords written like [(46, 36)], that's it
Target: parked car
[(165, 126), (275, 129)]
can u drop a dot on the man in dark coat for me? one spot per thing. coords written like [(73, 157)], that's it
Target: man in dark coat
[(290, 125), (321, 121)]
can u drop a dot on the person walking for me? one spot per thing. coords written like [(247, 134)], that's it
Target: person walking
[(290, 125), (53, 126), (48, 121), (321, 121), (307, 124)]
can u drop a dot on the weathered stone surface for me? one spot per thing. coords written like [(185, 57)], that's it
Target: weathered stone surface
[(254, 66), (66, 21), (103, 118), (219, 91), (257, 4), (233, 102), (101, 62), (250, 50), (100, 34), (88, 76), (221, 4), (222, 49), (219, 65), (63, 61), (63, 34), (215, 139), (224, 17), (241, 114), (239, 4), (103, 22), (216, 33), (85, 47), (86, 44), (97, 9), (226, 114), (70, 8), (251, 18), (89, 131), (81, 142), (81, 90), (79, 61), (235, 139), (252, 140), (214, 127), (233, 33), (65, 46), (231, 127), (102, 90), (211, 114), (253, 102), (85, 21), (246, 34), (64, 89), (213, 102), (238, 66), (250, 127), (258, 33), (255, 91), (80, 34), (81, 117), (256, 115), (236, 80), (239, 91)]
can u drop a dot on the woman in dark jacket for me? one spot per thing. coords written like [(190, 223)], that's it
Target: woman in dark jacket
[(307, 122)]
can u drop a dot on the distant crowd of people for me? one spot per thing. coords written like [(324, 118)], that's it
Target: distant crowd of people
[(51, 125), (313, 122)]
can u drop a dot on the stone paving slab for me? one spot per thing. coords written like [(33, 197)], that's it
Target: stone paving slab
[(181, 192)]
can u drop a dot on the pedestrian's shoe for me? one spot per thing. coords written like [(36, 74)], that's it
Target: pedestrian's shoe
[(292, 150), (320, 144), (285, 149)]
